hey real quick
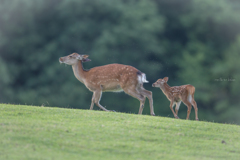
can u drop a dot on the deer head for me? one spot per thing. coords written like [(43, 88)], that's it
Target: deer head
[(160, 82), (73, 59)]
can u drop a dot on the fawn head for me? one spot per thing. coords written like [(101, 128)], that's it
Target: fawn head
[(160, 82), (73, 59)]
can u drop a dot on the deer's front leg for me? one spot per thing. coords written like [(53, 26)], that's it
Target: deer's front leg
[(92, 103), (97, 97), (171, 107)]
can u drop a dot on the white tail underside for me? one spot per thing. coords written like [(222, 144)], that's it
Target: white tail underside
[(142, 78)]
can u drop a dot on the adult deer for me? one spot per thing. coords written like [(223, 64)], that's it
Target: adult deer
[(176, 94), (110, 78)]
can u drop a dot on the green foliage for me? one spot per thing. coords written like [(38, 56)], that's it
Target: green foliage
[(29, 132), (190, 41), (227, 101)]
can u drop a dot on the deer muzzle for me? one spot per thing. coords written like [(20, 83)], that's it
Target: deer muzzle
[(60, 60)]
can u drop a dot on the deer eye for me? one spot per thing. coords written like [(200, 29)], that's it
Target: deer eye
[(70, 56)]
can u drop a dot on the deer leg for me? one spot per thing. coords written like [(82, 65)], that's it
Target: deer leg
[(134, 93), (189, 106), (148, 94), (195, 108), (171, 107), (92, 103), (97, 97), (142, 102), (141, 98), (177, 107)]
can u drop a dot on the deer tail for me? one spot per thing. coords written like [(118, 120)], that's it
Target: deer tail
[(142, 77), (191, 92)]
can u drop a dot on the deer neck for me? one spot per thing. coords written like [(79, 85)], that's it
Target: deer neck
[(166, 89), (79, 71)]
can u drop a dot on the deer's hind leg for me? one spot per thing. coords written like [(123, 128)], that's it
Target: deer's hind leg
[(142, 102), (132, 91), (148, 94), (189, 106), (194, 104)]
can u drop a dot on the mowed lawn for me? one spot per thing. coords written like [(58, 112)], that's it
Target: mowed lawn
[(30, 132)]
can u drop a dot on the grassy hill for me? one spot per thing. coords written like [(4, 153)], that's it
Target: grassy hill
[(29, 132)]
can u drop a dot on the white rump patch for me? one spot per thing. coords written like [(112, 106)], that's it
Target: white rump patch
[(142, 78), (189, 98)]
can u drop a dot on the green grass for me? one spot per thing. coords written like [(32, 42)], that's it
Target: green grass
[(29, 132)]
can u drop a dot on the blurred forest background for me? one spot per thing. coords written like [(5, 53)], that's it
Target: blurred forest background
[(191, 41)]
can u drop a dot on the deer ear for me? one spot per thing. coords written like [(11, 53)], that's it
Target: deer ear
[(165, 79), (85, 56)]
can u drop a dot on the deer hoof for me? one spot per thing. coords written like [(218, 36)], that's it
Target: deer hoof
[(113, 111), (153, 114), (197, 119)]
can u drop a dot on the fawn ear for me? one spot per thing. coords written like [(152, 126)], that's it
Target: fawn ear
[(165, 79)]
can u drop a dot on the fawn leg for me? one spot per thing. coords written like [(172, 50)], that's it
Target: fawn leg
[(177, 107), (195, 108), (171, 107), (189, 106)]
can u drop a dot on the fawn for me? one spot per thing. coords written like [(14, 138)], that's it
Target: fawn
[(176, 94)]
